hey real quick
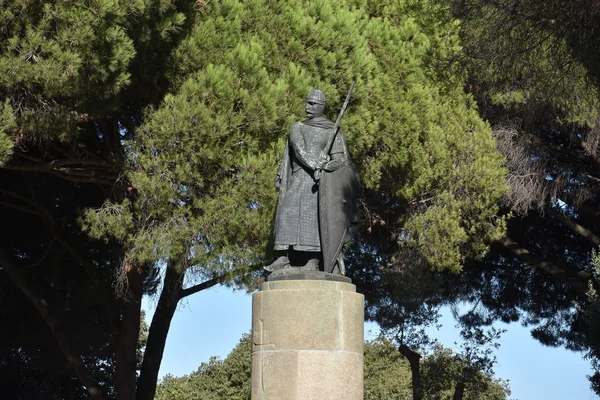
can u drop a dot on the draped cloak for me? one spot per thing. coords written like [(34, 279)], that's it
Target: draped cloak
[(297, 218)]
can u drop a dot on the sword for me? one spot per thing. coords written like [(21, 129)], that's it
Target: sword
[(336, 128)]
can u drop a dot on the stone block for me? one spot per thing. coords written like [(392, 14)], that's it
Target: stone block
[(307, 341), (307, 375)]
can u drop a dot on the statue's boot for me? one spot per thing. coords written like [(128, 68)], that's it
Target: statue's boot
[(311, 265), (280, 263)]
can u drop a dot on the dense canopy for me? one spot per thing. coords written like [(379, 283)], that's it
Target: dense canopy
[(139, 141)]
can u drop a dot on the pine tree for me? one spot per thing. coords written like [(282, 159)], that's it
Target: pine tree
[(178, 112), (210, 150), (533, 69)]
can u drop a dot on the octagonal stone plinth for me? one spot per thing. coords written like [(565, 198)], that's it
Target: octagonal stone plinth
[(307, 341)]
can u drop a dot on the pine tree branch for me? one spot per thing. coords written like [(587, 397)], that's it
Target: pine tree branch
[(459, 391), (83, 179), (101, 172), (577, 158), (37, 208), (578, 280), (574, 226), (170, 296), (215, 281), (63, 162), (21, 208), (123, 319), (99, 145), (201, 286), (589, 211), (44, 255), (63, 151), (74, 360), (116, 137)]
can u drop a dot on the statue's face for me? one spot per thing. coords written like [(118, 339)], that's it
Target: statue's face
[(314, 110)]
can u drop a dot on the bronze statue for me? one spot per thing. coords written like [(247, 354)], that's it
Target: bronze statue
[(318, 191)]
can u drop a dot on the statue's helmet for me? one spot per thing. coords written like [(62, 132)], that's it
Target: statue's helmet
[(316, 96)]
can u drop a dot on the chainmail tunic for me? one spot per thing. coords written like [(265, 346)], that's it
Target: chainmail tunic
[(297, 220)]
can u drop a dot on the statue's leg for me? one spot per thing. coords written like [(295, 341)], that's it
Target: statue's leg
[(312, 264), (281, 262)]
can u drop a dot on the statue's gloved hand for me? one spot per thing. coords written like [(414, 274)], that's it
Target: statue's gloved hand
[(320, 164), (323, 159), (317, 174)]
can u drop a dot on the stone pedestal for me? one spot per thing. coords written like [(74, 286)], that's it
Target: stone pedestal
[(307, 340)]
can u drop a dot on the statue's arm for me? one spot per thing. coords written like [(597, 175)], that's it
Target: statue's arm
[(299, 147)]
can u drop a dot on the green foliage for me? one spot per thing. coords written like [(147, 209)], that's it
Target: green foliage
[(534, 70), (31, 363), (63, 60), (76, 77), (518, 60), (592, 318), (443, 369), (387, 373), (387, 376), (210, 149), (7, 124), (472, 367)]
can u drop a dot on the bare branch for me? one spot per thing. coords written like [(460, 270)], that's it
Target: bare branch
[(578, 280), (574, 226), (214, 281), (21, 208), (63, 162), (201, 286), (41, 210), (101, 171), (528, 188)]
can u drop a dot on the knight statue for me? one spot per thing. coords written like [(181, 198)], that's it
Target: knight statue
[(318, 192)]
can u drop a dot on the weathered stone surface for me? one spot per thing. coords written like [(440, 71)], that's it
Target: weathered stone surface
[(307, 341), (293, 273), (307, 375), (308, 284), (354, 333), (291, 322), (275, 374)]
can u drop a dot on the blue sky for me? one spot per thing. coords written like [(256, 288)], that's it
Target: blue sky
[(210, 323)]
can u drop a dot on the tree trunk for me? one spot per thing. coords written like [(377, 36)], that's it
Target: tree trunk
[(128, 336), (64, 341), (157, 334), (414, 360), (459, 391)]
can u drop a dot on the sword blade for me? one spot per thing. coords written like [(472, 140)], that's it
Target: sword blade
[(339, 119)]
